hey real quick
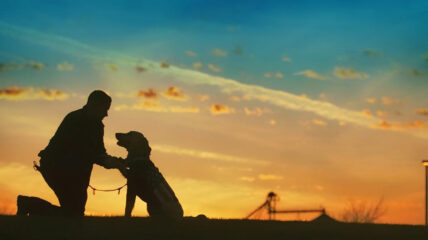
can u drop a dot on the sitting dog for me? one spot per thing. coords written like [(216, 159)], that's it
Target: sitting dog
[(145, 180)]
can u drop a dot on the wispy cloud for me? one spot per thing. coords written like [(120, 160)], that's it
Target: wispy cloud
[(276, 75), (140, 69), (422, 111), (372, 53), (366, 112), (285, 59), (191, 53), (312, 74), (65, 66), (371, 100), (256, 111), (382, 113), (319, 122), (205, 154), (29, 93), (197, 65), (265, 177), (154, 106), (238, 50), (214, 68), (219, 52), (164, 64), (15, 66), (203, 97), (282, 99), (217, 109), (112, 67), (417, 73), (390, 101), (349, 73)]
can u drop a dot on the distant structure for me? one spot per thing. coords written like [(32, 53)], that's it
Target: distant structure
[(269, 206), (425, 163)]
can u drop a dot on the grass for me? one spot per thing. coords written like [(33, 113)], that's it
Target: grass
[(46, 228)]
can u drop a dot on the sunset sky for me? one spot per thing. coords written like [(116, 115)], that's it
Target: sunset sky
[(323, 103)]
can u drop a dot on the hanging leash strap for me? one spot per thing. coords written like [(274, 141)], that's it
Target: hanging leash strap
[(107, 190), (37, 168)]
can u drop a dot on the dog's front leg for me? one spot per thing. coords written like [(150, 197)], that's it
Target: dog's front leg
[(130, 199)]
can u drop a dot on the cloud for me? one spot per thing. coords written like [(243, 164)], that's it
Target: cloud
[(112, 67), (235, 98), (257, 111), (206, 155), (37, 65), (312, 74), (389, 101), (203, 97), (422, 111), (65, 66), (175, 93), (349, 73), (371, 100), (191, 54), (238, 50), (277, 75), (197, 65), (372, 53), (265, 177), (19, 93), (14, 66), (181, 109), (416, 125), (164, 64), (382, 113), (319, 122), (140, 69), (217, 109), (152, 106), (219, 52), (214, 68), (366, 112), (285, 59), (149, 93), (417, 73), (279, 98), (147, 105), (247, 179)]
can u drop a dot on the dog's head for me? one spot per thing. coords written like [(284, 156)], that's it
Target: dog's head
[(134, 142)]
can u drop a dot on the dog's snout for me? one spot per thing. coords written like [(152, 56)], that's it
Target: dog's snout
[(119, 135)]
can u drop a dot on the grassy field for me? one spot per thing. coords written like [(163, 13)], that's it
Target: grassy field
[(12, 227)]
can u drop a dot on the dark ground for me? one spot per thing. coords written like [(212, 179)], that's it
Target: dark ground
[(12, 227)]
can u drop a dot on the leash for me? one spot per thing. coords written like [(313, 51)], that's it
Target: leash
[(106, 190), (37, 168)]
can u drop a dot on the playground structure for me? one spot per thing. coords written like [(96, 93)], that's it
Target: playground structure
[(270, 206)]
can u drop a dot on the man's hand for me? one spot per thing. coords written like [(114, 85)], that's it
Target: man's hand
[(113, 162)]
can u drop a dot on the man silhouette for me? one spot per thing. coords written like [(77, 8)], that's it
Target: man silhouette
[(66, 163)]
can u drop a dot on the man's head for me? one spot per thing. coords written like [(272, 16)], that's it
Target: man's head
[(134, 142), (98, 104)]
